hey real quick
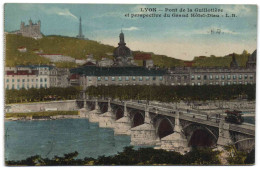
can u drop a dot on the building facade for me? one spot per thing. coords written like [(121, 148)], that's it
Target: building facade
[(214, 75), (34, 76), (131, 75)]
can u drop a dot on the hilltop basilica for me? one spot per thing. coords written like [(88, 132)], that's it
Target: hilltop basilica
[(32, 30)]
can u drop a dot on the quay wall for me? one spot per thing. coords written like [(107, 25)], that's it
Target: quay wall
[(65, 105)]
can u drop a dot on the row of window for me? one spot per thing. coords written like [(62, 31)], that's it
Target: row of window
[(222, 83), (18, 87), (147, 78), (223, 77), (28, 80)]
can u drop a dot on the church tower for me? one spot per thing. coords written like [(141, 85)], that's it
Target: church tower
[(80, 36)]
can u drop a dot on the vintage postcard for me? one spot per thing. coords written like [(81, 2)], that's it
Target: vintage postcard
[(129, 84)]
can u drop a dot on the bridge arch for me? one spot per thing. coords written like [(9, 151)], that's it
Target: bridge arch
[(137, 118), (91, 105), (119, 112), (103, 107), (165, 127), (200, 135)]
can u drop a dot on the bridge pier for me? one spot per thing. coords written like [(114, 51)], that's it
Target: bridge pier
[(94, 115), (123, 125), (84, 111), (107, 120), (224, 138), (144, 134), (176, 141)]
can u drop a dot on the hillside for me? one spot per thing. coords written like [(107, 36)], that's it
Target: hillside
[(68, 46), (221, 61), (78, 49)]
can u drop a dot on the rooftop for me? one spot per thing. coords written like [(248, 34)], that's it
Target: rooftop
[(117, 71)]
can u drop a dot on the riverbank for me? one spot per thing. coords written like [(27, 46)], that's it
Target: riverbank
[(47, 115)]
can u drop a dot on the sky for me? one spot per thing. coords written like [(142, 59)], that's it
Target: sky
[(181, 38)]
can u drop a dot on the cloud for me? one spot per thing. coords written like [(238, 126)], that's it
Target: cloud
[(50, 11), (131, 29), (59, 11), (240, 10)]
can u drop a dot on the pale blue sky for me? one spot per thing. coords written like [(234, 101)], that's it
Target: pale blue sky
[(176, 37)]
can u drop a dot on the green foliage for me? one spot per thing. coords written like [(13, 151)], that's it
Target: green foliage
[(129, 156), (42, 94), (173, 93), (39, 114), (235, 157)]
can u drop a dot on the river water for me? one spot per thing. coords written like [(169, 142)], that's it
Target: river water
[(56, 137)]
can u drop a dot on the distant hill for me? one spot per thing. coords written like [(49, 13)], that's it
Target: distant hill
[(78, 49), (221, 61)]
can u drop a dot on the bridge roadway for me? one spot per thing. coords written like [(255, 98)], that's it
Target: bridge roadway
[(199, 117)]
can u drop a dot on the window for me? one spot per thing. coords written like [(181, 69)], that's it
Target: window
[(210, 83), (234, 82), (228, 77), (45, 79), (161, 78), (18, 87), (7, 87), (12, 86), (45, 85), (154, 78), (113, 78), (240, 82), (147, 78), (106, 78), (228, 83), (223, 83), (99, 78), (32, 80), (119, 78), (18, 80), (216, 83), (23, 86), (246, 83), (127, 78), (205, 77), (23, 80), (223, 77), (41, 86), (28, 80), (140, 78), (89, 78), (192, 77), (133, 78), (198, 77), (234, 77), (12, 80), (245, 77), (198, 84), (41, 80), (36, 80), (7, 80), (192, 84), (240, 76), (251, 77), (27, 86), (210, 77), (216, 77)]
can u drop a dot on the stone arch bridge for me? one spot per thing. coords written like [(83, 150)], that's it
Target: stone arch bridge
[(173, 129)]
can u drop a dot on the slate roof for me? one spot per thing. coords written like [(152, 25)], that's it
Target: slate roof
[(117, 71)]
